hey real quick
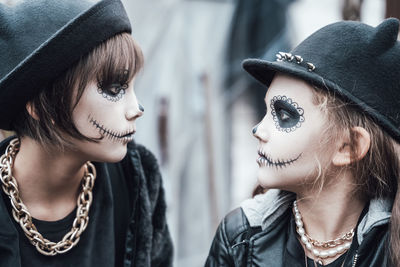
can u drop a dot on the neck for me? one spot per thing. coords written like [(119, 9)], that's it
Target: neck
[(332, 212), (48, 179)]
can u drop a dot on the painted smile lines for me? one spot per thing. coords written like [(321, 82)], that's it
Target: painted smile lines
[(266, 161), (113, 135)]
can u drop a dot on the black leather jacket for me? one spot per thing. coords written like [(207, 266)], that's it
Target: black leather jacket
[(236, 243)]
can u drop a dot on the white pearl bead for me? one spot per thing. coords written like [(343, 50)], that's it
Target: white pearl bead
[(332, 252), (299, 223), (297, 216), (315, 252), (296, 209), (340, 249), (301, 231), (347, 245), (323, 254), (309, 246), (304, 239)]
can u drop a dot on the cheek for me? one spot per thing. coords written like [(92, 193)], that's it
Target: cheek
[(306, 140), (81, 119)]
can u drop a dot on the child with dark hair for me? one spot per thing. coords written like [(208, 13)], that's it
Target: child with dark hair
[(76, 189), (328, 156)]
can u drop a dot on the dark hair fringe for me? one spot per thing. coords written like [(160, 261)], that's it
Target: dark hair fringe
[(117, 60)]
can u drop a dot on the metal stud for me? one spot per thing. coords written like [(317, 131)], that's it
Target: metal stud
[(299, 59), (310, 66), (283, 54), (289, 57)]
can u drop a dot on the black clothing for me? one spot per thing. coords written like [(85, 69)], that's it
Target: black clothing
[(127, 224), (238, 244)]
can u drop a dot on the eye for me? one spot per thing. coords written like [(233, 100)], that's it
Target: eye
[(283, 115), (286, 113), (116, 88), (112, 92)]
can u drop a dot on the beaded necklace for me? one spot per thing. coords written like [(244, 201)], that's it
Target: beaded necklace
[(332, 248)]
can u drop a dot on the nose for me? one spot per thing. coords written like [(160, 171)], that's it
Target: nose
[(260, 131), (134, 110)]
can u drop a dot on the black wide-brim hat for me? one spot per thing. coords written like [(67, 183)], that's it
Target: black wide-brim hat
[(41, 39), (358, 62)]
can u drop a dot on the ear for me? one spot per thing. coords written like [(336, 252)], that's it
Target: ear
[(362, 141), (31, 110)]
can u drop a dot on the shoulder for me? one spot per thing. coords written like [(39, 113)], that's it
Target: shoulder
[(264, 209), (141, 155), (235, 228), (146, 170), (257, 213), (234, 224)]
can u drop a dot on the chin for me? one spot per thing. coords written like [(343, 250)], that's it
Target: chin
[(116, 155), (111, 154), (270, 178)]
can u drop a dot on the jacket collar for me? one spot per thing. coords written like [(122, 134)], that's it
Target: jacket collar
[(264, 209)]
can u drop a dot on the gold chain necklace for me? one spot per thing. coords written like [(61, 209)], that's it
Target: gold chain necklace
[(23, 217), (332, 243), (336, 247)]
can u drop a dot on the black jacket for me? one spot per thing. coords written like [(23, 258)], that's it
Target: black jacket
[(147, 242), (236, 243)]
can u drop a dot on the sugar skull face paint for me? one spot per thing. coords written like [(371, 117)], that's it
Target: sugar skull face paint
[(111, 123), (290, 136), (287, 114), (113, 135), (266, 161), (114, 92)]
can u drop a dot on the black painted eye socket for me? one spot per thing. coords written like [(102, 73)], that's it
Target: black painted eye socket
[(112, 92), (287, 115), (115, 88)]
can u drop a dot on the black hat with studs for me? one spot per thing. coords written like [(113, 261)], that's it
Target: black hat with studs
[(358, 62), (41, 39)]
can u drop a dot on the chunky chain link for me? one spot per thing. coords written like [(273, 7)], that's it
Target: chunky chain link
[(332, 243), (24, 218)]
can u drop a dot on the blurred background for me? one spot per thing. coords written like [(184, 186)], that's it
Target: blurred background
[(200, 106)]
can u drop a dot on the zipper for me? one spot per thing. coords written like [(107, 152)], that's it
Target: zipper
[(355, 259)]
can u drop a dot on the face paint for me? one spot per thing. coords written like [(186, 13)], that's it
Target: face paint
[(141, 108), (288, 161), (286, 113), (116, 136), (113, 88), (266, 161), (113, 92), (254, 130)]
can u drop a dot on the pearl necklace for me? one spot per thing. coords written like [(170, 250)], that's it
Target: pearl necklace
[(339, 246)]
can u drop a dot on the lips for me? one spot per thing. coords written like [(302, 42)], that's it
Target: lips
[(125, 136), (128, 135), (265, 160)]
